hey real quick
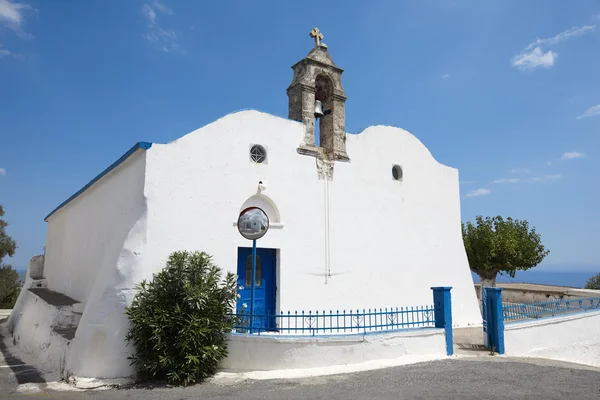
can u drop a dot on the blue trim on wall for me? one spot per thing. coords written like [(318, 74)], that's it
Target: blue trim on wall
[(138, 145)]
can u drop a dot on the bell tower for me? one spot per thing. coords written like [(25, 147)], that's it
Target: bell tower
[(316, 96)]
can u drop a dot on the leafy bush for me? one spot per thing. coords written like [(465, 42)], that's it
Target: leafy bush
[(179, 320), (9, 286), (9, 278), (593, 282)]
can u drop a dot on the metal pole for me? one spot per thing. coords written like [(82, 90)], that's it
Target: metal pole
[(252, 291)]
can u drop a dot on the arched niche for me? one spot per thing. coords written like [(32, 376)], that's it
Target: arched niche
[(267, 205), (324, 93)]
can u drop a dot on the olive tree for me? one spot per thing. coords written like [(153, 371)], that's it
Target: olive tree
[(497, 245)]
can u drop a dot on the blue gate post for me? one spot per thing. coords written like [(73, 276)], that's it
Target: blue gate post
[(495, 318), (442, 309), (484, 317)]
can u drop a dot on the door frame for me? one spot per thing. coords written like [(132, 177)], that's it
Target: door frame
[(276, 281)]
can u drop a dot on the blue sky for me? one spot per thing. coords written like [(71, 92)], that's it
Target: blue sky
[(506, 91)]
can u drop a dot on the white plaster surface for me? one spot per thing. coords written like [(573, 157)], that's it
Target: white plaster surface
[(574, 338), (99, 348), (388, 241), (17, 310), (33, 331), (268, 353), (87, 235), (224, 377)]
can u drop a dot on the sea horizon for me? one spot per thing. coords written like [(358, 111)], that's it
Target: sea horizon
[(567, 278)]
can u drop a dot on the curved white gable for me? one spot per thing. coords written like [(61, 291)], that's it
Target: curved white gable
[(390, 241)]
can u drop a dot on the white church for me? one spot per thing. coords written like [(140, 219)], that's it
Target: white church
[(356, 220)]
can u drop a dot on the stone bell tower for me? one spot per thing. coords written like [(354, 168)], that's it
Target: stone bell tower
[(317, 78)]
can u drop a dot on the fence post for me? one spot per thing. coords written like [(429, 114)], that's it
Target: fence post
[(442, 309), (495, 318)]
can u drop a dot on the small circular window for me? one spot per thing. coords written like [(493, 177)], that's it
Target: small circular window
[(258, 154), (397, 172)]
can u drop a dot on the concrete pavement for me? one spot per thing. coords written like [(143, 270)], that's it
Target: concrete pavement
[(472, 374), (467, 378)]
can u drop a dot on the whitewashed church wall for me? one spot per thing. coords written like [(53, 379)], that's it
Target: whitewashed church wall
[(87, 234), (390, 241), (572, 338)]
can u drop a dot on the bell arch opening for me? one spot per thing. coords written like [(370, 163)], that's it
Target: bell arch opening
[(266, 204), (324, 94)]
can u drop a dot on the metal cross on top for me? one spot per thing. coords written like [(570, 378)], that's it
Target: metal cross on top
[(317, 35)]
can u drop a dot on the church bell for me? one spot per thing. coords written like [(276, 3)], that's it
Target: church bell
[(318, 109)]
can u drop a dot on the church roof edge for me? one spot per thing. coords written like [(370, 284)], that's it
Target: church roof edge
[(138, 145)]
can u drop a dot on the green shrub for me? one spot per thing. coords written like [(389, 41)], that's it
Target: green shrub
[(10, 286), (179, 320), (9, 278), (593, 282)]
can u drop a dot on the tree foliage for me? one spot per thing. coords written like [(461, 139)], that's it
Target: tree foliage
[(497, 245), (9, 286), (593, 282), (179, 320), (9, 278), (7, 245)]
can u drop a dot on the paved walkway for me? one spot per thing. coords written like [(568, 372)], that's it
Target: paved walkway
[(471, 378), (469, 342), (472, 374)]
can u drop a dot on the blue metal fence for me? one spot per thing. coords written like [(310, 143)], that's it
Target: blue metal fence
[(323, 323), (519, 312)]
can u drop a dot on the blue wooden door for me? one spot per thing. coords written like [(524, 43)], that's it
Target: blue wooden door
[(264, 289)]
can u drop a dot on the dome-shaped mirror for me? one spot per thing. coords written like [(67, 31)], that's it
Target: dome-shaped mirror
[(253, 223)]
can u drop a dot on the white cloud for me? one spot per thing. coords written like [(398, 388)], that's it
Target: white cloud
[(571, 155), (548, 163), (520, 171), (445, 76), (158, 5), (2, 172), (12, 13), (4, 52), (507, 180), (12, 16), (591, 112), (533, 56), (165, 40), (534, 59), (7, 53), (546, 178), (479, 192), (575, 31), (149, 13)]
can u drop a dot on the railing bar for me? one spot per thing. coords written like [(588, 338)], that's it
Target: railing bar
[(330, 321)]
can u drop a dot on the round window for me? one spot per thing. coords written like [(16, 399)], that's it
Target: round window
[(397, 172), (258, 154)]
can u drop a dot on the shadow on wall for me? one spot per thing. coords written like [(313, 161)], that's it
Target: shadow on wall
[(24, 373)]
